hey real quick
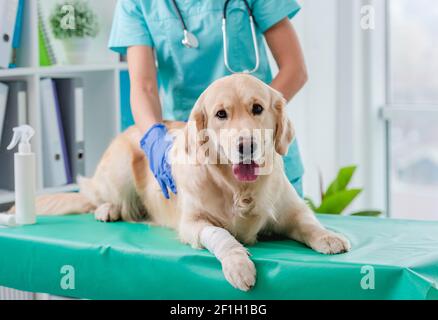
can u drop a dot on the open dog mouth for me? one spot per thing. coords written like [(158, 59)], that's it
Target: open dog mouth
[(246, 172)]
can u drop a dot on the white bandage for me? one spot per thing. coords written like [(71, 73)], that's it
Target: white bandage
[(219, 242)]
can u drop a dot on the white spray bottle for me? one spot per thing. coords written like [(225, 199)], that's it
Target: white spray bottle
[(24, 168)]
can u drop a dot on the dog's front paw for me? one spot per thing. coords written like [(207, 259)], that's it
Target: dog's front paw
[(107, 213), (239, 271), (330, 243)]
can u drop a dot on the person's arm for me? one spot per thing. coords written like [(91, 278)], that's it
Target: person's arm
[(286, 49), (145, 101), (146, 109)]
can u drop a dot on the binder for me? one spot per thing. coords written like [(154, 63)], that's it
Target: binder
[(8, 16), (3, 101), (18, 28), (71, 102), (56, 166), (47, 53), (16, 41), (125, 101), (16, 115), (45, 59)]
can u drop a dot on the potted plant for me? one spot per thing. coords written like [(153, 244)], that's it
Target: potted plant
[(338, 196), (75, 24)]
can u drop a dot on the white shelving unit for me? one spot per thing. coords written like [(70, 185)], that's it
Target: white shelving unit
[(101, 97)]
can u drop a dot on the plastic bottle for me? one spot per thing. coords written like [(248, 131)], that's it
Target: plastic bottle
[(24, 169), (7, 220)]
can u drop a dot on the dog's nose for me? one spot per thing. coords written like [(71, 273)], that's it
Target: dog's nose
[(248, 147)]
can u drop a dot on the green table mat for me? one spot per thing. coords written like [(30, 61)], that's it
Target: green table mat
[(75, 256)]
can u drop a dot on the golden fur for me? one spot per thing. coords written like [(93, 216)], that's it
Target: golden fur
[(123, 188)]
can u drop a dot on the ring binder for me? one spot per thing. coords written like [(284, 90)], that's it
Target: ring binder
[(8, 16)]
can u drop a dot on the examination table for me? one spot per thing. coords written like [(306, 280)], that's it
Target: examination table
[(390, 259)]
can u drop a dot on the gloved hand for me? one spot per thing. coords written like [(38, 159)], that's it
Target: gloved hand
[(156, 144)]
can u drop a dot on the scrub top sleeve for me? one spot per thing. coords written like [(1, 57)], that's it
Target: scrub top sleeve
[(267, 13), (129, 27)]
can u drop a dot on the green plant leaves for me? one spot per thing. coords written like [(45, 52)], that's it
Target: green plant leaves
[(368, 213), (341, 182), (336, 203), (74, 19), (338, 197), (310, 203)]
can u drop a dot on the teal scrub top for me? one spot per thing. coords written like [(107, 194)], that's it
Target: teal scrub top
[(183, 73)]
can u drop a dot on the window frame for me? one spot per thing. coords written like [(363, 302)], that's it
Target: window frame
[(374, 92), (390, 110), (361, 93)]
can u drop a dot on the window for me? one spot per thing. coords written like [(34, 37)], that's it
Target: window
[(413, 108), (414, 165), (414, 51)]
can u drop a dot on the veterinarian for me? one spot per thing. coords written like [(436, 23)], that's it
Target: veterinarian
[(175, 50)]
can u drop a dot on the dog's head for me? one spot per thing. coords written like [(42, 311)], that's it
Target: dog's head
[(244, 122)]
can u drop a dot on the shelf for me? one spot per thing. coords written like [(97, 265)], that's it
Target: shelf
[(17, 72), (61, 69), (123, 66), (6, 197), (53, 70), (101, 93)]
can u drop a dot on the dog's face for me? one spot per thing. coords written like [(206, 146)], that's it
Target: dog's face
[(245, 121)]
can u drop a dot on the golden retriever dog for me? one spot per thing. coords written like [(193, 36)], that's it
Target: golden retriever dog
[(220, 205)]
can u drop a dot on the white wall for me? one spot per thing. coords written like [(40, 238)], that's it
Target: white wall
[(313, 111), (336, 111)]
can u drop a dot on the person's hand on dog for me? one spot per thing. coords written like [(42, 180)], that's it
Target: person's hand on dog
[(156, 144)]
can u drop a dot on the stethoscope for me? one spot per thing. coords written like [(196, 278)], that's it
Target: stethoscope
[(191, 41)]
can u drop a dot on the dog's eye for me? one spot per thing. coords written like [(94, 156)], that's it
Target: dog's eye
[(222, 114), (257, 109)]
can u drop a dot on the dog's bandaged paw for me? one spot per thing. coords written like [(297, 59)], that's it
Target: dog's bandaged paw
[(330, 243), (239, 271)]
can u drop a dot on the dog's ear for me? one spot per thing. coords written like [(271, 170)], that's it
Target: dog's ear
[(284, 133), (196, 125)]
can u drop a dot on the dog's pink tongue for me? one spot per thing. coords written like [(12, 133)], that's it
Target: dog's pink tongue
[(245, 172)]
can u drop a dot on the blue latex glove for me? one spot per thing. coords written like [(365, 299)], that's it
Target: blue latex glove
[(156, 144)]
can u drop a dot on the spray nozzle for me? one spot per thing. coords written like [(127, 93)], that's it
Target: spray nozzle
[(22, 136)]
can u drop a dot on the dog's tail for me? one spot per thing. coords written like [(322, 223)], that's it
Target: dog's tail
[(67, 203), (61, 204)]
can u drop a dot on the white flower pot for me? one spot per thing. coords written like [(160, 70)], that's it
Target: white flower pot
[(76, 50)]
